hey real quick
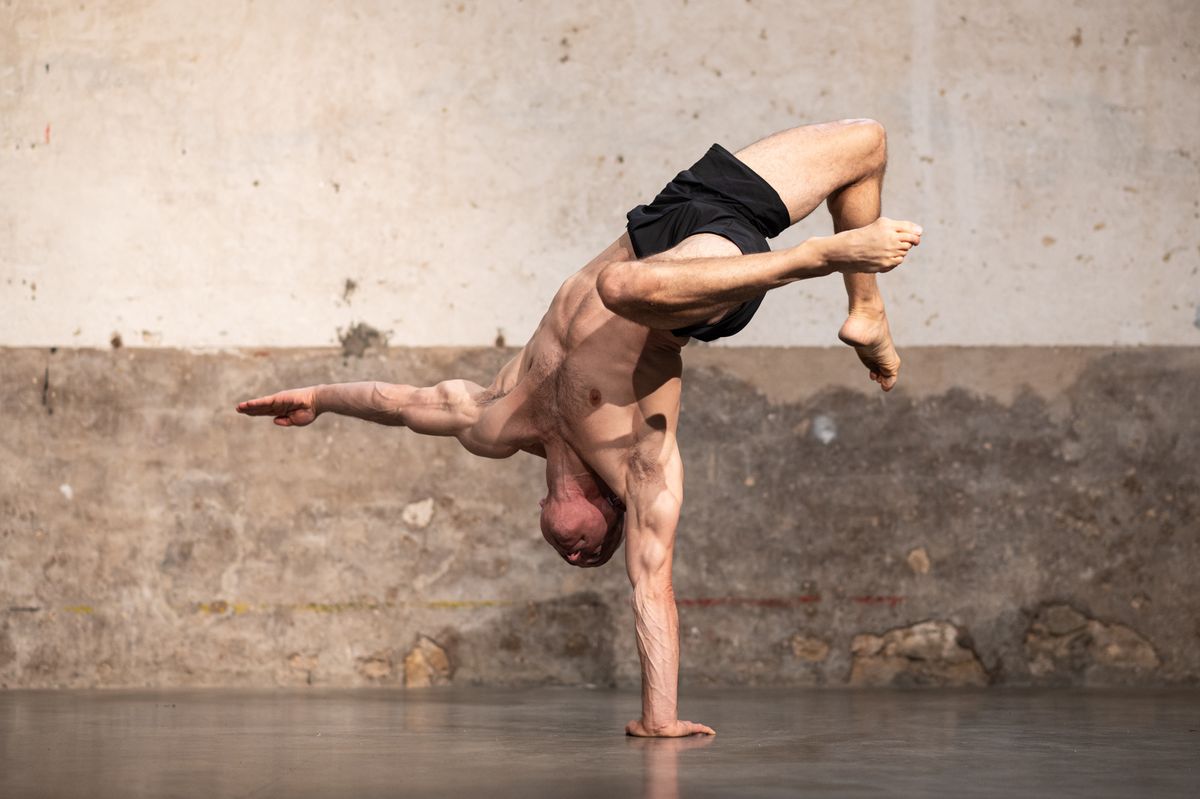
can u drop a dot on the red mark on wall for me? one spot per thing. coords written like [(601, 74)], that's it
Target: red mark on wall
[(744, 601), (890, 601), (47, 133)]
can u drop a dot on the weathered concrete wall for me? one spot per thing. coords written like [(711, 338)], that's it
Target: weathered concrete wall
[(1007, 516), (268, 174), (264, 174)]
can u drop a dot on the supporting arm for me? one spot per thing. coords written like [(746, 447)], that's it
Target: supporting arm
[(652, 513)]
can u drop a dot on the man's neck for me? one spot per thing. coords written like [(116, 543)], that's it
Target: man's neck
[(566, 473)]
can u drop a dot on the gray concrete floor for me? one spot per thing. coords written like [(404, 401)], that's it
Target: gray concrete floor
[(567, 742)]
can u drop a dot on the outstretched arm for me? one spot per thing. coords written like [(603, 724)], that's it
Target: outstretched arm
[(448, 409), (651, 515)]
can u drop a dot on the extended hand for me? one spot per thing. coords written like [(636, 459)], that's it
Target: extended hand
[(294, 408), (675, 729)]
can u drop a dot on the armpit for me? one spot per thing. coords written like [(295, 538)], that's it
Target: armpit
[(488, 396), (643, 467)]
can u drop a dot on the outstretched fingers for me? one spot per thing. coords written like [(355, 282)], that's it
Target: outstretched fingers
[(294, 408), (272, 405)]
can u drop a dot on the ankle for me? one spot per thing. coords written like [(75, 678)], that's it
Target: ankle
[(867, 308)]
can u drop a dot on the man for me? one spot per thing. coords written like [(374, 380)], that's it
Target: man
[(596, 390)]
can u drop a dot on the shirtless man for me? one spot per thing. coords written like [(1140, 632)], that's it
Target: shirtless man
[(596, 390)]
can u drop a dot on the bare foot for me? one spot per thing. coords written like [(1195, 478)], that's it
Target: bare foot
[(878, 247), (867, 332)]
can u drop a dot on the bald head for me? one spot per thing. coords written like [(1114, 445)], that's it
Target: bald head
[(585, 530)]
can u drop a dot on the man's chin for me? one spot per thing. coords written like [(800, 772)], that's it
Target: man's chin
[(589, 564)]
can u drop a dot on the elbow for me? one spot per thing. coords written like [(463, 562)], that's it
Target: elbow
[(650, 573), (652, 591), (620, 287)]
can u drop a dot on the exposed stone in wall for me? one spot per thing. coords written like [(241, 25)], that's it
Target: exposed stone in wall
[(418, 514), (303, 666), (918, 561), (425, 665), (812, 650), (928, 653), (1064, 646), (377, 666)]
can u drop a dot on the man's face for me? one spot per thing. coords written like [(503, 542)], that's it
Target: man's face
[(584, 531)]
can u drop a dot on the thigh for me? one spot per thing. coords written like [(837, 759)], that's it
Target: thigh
[(699, 245), (807, 164)]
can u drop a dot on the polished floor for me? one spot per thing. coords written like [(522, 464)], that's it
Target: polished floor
[(568, 742)]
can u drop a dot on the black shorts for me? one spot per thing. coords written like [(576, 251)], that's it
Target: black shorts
[(720, 195)]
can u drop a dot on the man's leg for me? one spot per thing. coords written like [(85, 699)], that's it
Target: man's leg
[(866, 326), (841, 162)]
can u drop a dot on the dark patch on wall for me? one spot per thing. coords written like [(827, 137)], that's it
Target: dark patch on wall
[(563, 641), (8, 652), (46, 392), (360, 338)]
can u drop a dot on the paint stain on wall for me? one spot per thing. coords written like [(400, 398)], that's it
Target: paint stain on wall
[(359, 338)]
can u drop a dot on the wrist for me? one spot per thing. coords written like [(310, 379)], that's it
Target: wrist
[(868, 309), (658, 724), (819, 255), (317, 400)]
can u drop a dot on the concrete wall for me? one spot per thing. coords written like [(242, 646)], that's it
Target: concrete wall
[(1032, 529), (218, 174), (226, 190)]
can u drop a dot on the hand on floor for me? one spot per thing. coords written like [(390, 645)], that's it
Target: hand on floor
[(676, 729)]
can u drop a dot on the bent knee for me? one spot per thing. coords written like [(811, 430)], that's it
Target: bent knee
[(870, 137)]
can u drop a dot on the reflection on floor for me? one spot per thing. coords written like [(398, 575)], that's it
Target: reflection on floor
[(567, 742)]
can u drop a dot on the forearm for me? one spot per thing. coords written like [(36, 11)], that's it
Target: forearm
[(370, 400), (657, 623), (639, 289)]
